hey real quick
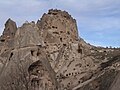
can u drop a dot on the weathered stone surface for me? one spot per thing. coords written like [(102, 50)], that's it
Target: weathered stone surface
[(27, 35), (49, 55), (9, 31), (7, 38), (59, 24)]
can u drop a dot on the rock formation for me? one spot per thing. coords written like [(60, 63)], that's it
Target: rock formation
[(50, 55)]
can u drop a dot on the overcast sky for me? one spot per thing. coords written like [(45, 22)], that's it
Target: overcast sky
[(98, 20)]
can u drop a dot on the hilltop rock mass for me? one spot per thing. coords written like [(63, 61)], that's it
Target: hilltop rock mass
[(50, 55)]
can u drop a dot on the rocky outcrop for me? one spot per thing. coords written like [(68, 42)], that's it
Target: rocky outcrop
[(10, 29), (27, 35), (49, 55), (7, 37), (59, 25)]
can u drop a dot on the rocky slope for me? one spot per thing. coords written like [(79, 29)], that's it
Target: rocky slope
[(50, 55)]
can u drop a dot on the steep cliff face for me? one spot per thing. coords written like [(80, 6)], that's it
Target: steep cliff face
[(7, 37), (58, 24), (10, 29), (49, 55)]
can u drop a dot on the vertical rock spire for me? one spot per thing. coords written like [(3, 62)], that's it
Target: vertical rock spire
[(10, 30)]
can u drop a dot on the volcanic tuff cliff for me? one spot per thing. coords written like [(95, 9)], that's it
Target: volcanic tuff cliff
[(50, 55)]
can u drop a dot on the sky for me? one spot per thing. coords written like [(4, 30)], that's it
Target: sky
[(98, 21)]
